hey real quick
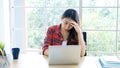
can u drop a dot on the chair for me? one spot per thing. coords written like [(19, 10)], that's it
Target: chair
[(85, 39)]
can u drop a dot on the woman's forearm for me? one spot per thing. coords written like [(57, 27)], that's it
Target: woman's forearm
[(82, 44)]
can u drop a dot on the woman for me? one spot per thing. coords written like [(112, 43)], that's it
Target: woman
[(68, 32)]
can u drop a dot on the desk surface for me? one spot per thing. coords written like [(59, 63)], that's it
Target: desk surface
[(33, 60)]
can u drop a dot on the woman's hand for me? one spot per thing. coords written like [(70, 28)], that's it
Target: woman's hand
[(46, 52), (76, 26)]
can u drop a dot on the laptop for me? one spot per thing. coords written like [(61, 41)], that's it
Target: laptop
[(69, 54)]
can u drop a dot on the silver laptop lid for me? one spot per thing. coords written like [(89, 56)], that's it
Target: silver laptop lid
[(69, 54)]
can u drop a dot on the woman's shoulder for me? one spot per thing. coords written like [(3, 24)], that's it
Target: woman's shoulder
[(54, 28)]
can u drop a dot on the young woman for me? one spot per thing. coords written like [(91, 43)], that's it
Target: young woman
[(68, 32)]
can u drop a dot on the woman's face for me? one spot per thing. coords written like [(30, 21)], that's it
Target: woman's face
[(66, 24)]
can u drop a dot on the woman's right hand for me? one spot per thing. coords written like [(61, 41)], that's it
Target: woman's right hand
[(46, 52)]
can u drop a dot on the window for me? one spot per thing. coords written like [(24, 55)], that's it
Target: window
[(100, 19)]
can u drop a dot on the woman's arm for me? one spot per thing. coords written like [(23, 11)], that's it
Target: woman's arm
[(46, 52), (80, 37), (47, 41), (82, 43)]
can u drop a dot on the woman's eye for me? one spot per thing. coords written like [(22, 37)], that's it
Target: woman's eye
[(66, 23)]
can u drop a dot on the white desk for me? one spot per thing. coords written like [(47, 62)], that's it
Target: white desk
[(31, 60)]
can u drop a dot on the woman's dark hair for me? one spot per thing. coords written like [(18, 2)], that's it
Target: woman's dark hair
[(73, 37)]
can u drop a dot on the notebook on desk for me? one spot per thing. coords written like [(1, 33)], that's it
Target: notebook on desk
[(69, 54)]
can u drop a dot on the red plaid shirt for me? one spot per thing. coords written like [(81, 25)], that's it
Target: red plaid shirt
[(53, 37)]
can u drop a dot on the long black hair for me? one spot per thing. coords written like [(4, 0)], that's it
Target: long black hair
[(73, 37)]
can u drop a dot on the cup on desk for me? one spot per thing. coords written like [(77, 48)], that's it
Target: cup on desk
[(15, 53)]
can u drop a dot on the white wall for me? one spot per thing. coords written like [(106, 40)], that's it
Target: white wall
[(4, 24), (7, 25), (1, 21)]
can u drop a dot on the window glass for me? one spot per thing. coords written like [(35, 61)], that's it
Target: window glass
[(103, 41), (36, 38), (99, 3), (35, 3), (119, 19), (99, 18), (118, 41)]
